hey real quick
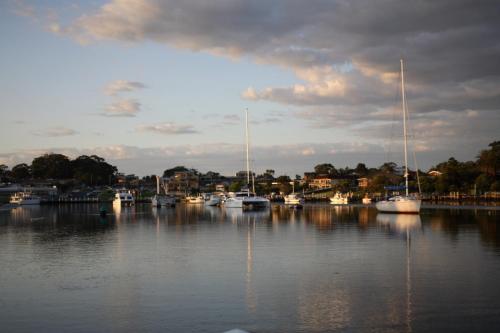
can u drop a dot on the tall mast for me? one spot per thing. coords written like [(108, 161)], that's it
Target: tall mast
[(248, 150), (404, 125), (157, 185)]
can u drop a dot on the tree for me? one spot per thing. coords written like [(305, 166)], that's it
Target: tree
[(361, 169), (325, 169), (21, 171), (269, 172), (235, 186), (92, 170), (4, 171), (388, 167), (54, 166), (170, 172), (483, 182), (489, 160)]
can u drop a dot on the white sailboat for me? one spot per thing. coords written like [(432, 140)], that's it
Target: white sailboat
[(162, 199), (293, 198), (247, 199), (406, 203)]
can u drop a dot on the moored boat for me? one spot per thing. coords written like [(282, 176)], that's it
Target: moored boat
[(24, 198), (293, 199), (124, 197), (406, 203), (339, 199)]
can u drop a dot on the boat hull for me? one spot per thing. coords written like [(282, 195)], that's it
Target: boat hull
[(402, 206), (24, 202), (247, 203)]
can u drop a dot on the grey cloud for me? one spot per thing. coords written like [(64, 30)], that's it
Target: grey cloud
[(56, 131), (228, 158), (168, 128), (345, 53), (122, 108), (115, 87)]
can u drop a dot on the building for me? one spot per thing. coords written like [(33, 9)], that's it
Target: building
[(183, 182), (320, 183), (362, 182)]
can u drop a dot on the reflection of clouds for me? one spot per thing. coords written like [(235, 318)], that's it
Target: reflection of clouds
[(326, 308)]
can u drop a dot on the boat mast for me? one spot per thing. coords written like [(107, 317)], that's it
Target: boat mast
[(248, 150), (404, 125), (157, 185)]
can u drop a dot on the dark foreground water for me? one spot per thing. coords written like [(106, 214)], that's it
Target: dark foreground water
[(195, 269)]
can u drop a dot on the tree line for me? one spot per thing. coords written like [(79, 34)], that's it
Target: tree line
[(482, 174), (90, 170)]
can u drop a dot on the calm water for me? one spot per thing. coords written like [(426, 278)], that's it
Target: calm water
[(195, 269)]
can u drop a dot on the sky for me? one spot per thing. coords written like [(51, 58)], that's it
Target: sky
[(150, 85)]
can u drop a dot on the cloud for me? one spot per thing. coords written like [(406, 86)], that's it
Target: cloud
[(167, 128), (118, 86), (53, 132), (123, 108), (343, 53), (22, 9)]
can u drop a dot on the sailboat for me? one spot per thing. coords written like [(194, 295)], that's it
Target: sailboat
[(246, 199), (406, 203), (293, 198), (162, 199)]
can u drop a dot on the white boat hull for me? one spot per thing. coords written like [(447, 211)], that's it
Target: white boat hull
[(293, 199), (400, 206), (159, 201), (213, 202), (247, 203), (196, 201)]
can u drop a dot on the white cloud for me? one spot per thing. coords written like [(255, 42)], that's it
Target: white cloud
[(56, 131), (123, 108), (115, 87), (167, 128)]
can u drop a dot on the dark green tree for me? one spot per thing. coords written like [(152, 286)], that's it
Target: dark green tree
[(326, 169), (52, 166), (172, 171), (21, 171), (361, 170), (489, 160)]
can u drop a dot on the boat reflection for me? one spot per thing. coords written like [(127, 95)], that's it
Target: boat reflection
[(400, 222), (404, 223)]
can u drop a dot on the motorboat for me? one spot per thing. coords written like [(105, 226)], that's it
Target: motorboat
[(339, 199), (124, 197), (406, 203), (24, 198)]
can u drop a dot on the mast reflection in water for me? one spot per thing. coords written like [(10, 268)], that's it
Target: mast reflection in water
[(205, 269)]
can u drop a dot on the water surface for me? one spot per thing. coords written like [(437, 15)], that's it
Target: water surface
[(204, 269)]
